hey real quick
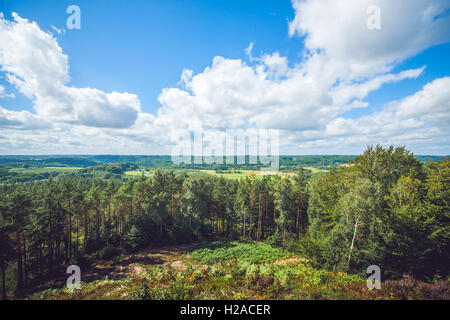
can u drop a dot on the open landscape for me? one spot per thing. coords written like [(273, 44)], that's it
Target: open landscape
[(203, 152), (152, 231)]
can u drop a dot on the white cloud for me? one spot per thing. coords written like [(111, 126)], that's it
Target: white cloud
[(58, 31), (277, 66), (344, 62), (248, 50), (346, 92), (34, 62), (419, 119), (3, 93), (232, 94), (432, 103), (186, 76), (22, 120), (339, 29)]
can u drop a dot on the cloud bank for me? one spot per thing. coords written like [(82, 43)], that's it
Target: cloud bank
[(309, 102)]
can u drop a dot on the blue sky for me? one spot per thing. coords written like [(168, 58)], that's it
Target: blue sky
[(143, 46), (140, 49)]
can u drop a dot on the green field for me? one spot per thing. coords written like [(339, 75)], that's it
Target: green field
[(230, 174), (137, 173), (38, 170), (315, 170)]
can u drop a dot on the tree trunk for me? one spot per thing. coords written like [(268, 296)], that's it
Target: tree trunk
[(70, 234), (274, 222), (78, 238), (86, 229), (173, 205), (353, 242), (260, 218), (50, 256), (3, 281), (244, 221), (97, 227), (252, 212), (70, 228), (266, 210), (19, 263), (40, 257), (25, 266), (299, 210)]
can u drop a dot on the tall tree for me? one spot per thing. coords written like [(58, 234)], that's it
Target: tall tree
[(301, 201), (18, 208)]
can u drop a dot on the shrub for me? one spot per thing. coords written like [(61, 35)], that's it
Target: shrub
[(136, 238), (108, 252), (245, 252), (409, 288)]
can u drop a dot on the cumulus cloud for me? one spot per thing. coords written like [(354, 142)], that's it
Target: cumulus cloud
[(343, 63), (339, 29), (232, 94), (421, 118), (432, 103), (344, 93), (22, 120), (34, 62)]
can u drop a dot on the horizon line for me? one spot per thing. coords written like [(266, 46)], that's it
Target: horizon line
[(167, 155)]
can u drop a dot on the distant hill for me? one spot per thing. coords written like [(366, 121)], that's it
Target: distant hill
[(287, 161)]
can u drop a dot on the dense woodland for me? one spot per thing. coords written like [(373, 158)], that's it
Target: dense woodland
[(385, 208)]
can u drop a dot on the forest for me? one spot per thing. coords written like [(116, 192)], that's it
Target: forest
[(385, 207)]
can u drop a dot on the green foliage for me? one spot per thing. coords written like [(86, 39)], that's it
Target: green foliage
[(292, 278), (275, 240), (385, 207), (218, 251), (136, 238), (144, 292)]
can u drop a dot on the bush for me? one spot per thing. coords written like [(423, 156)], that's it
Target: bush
[(143, 293), (136, 238), (94, 246), (108, 252), (176, 290), (409, 288), (181, 234), (114, 240), (246, 252), (275, 240)]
